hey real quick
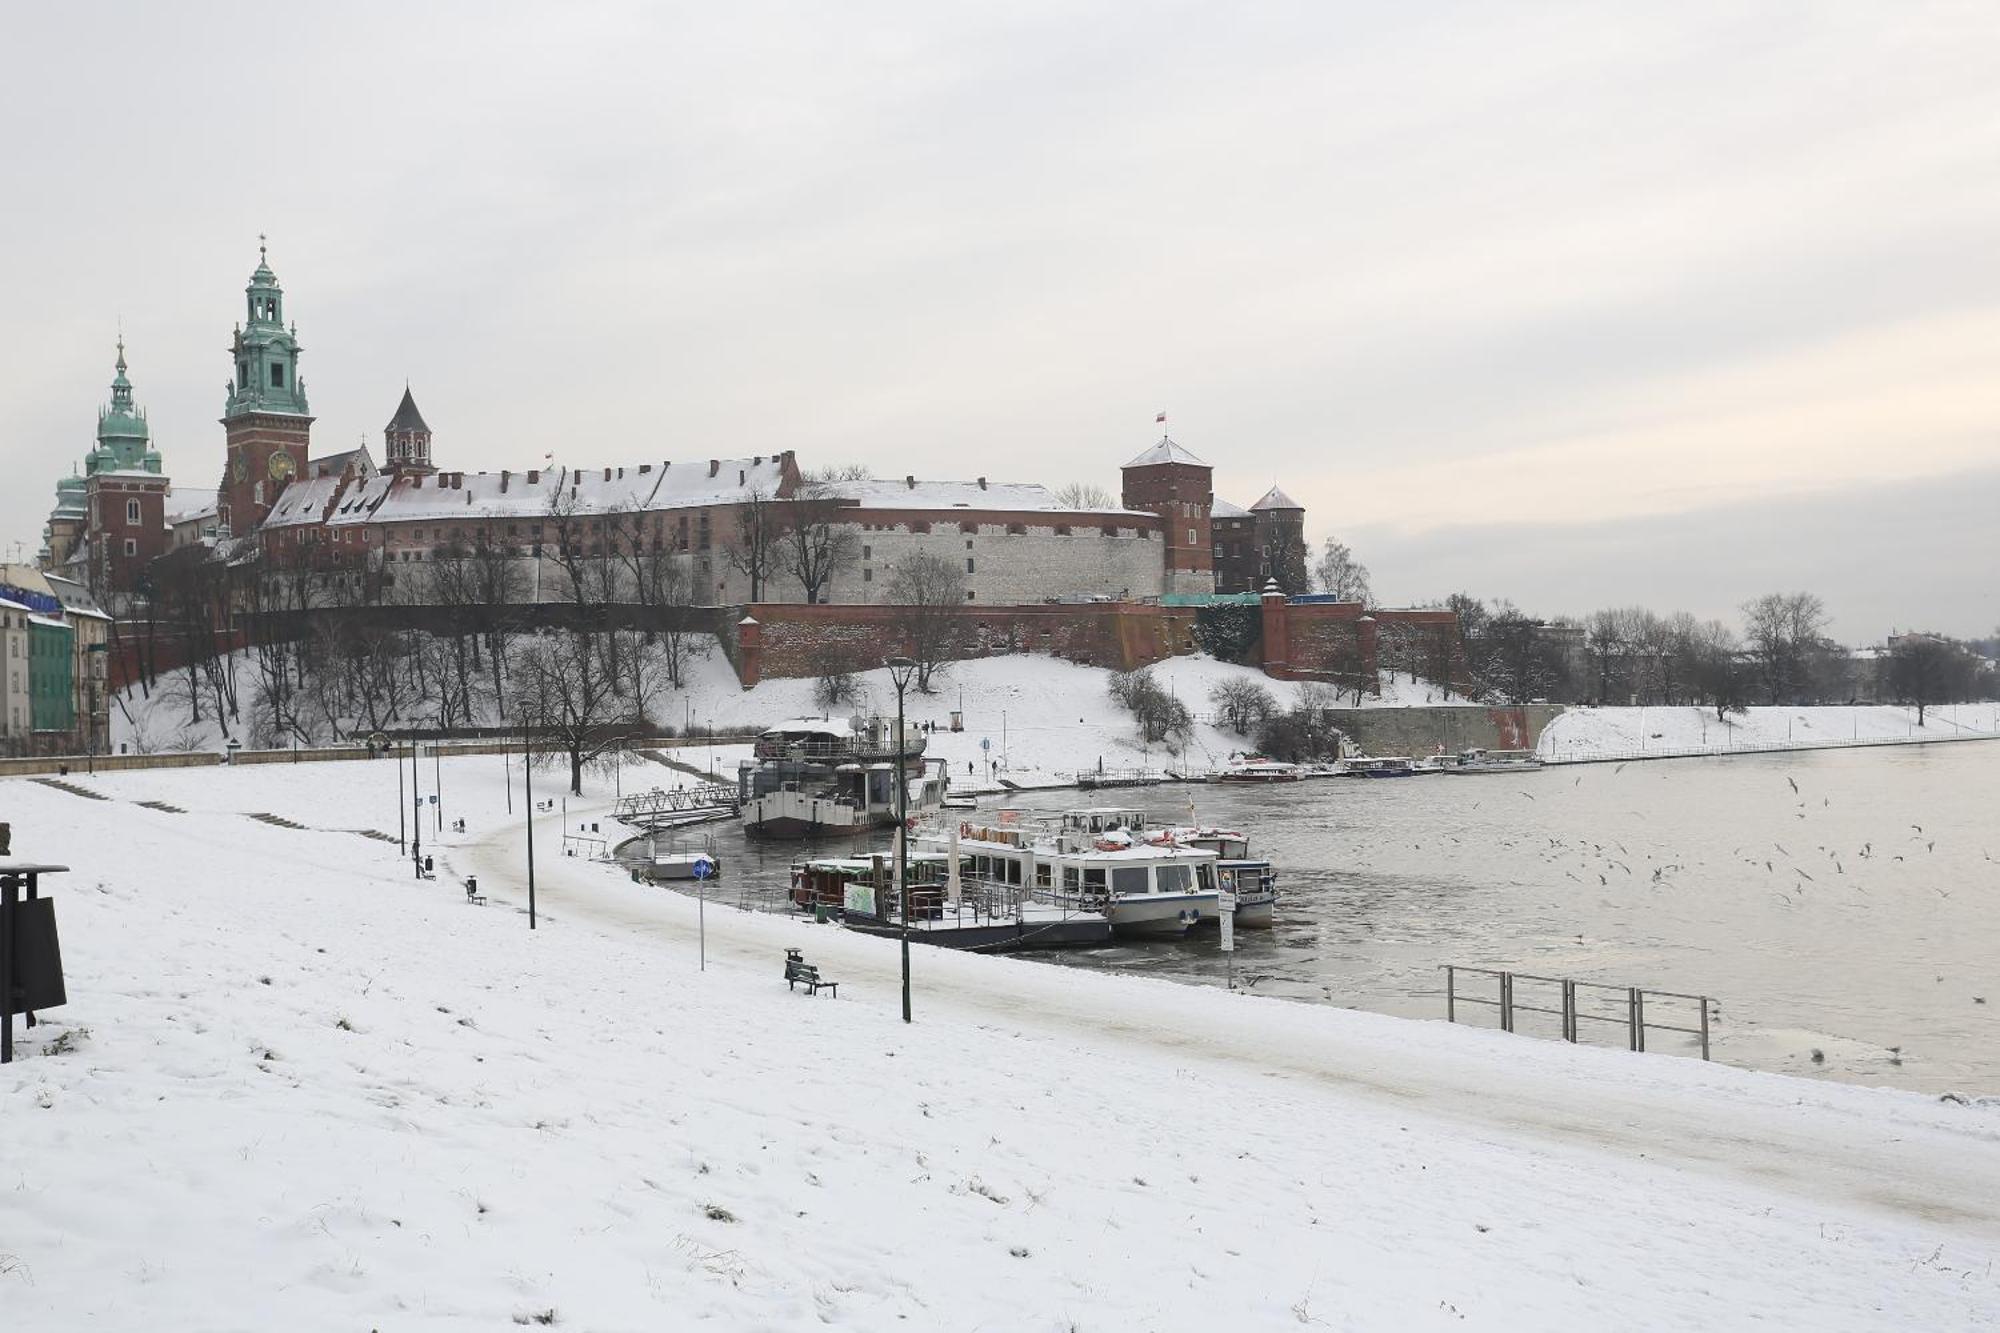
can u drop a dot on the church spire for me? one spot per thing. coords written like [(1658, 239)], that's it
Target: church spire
[(266, 353)]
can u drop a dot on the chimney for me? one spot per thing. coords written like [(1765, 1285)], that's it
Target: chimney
[(910, 481), (607, 474), (644, 468), (741, 476), (982, 483), (758, 460), (504, 474), (534, 476), (714, 466)]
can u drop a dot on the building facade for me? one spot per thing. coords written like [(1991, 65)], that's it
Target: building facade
[(1171, 483)]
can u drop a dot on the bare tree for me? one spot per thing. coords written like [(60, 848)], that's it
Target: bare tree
[(1926, 669), (563, 690), (1084, 495), (1785, 632), (817, 541), (1339, 574), (1718, 679), (1242, 704), (928, 591), (753, 548)]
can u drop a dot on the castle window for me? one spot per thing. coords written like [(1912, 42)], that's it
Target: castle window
[(867, 576), (277, 374), (242, 374), (1062, 529), (968, 565), (920, 527), (1017, 529), (1193, 540), (131, 511), (131, 547)]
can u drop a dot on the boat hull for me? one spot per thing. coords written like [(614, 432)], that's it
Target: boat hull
[(1161, 915), (998, 936), (1257, 914)]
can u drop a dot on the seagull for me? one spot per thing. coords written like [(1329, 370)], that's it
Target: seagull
[(1794, 786)]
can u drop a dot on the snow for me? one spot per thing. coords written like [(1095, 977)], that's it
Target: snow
[(294, 1088), (998, 497), (1620, 733)]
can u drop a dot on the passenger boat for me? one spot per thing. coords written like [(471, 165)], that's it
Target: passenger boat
[(1469, 762), (1085, 865), (1256, 769), (823, 777), (1387, 766), (954, 800), (1251, 879), (952, 911)]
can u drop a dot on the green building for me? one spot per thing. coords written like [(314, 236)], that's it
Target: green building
[(51, 676)]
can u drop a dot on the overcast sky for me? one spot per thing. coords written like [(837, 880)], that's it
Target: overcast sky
[(1571, 304)]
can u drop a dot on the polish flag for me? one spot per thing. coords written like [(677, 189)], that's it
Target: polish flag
[(1161, 419)]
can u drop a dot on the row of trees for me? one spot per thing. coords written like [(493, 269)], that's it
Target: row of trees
[(1779, 653)]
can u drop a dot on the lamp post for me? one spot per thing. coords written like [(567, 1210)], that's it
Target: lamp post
[(528, 802), (900, 671), (402, 816), (416, 816)]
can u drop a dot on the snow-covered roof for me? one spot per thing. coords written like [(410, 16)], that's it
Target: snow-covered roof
[(1166, 451), (76, 598), (643, 488), (1224, 509), (1004, 496), (335, 464), (190, 507), (812, 726), (1276, 499), (303, 502), (6, 605), (50, 622)]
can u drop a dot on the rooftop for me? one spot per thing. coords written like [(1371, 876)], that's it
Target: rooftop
[(1276, 499), (618, 490), (1008, 496), (1166, 451)]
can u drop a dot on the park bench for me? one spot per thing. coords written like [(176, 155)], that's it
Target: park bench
[(472, 893), (798, 970)]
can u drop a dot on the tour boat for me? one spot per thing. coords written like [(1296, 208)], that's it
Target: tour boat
[(1387, 766), (1087, 865), (946, 908), (1253, 880), (1493, 761), (824, 777), (1256, 769)]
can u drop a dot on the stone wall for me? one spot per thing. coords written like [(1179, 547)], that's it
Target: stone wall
[(1421, 731), (779, 640), (1007, 563)]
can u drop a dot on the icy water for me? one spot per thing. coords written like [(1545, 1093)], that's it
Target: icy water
[(1844, 902)]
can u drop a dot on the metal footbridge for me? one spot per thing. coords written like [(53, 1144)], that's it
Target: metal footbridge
[(661, 808)]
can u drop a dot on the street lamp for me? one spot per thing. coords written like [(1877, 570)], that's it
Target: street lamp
[(900, 671)]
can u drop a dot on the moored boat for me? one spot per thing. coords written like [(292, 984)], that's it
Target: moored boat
[(1470, 762), (1384, 766), (821, 777), (1254, 768)]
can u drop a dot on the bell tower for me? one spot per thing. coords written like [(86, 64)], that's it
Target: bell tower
[(267, 422)]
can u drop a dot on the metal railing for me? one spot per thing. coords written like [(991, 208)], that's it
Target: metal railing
[(1632, 1001), (1554, 756)]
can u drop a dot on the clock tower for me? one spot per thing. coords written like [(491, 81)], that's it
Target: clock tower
[(266, 419)]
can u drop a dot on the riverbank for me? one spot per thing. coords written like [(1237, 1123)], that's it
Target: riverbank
[(295, 1086)]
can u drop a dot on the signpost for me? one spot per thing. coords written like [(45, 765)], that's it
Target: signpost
[(703, 868), (1226, 901)]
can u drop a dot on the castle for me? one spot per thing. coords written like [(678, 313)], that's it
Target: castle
[(368, 533)]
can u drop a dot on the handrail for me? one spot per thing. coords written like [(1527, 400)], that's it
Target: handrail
[(1634, 1019)]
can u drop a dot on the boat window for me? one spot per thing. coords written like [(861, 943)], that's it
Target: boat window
[(1128, 879), (1043, 874), (1206, 874), (1093, 879), (1070, 879), (1013, 872), (1173, 879)]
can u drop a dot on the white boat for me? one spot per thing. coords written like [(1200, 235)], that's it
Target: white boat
[(1469, 762), (1386, 766), (1256, 769), (1088, 865), (1252, 880), (959, 801), (827, 777)]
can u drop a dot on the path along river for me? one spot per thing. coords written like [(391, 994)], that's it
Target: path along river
[(1844, 903)]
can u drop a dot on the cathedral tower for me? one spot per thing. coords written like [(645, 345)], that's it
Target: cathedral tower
[(406, 440), (266, 419)]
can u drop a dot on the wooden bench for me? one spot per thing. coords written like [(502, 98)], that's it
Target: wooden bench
[(798, 971), (472, 893)]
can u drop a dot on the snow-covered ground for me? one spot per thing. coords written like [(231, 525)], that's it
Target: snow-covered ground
[(295, 1088), (1588, 733), (1037, 721)]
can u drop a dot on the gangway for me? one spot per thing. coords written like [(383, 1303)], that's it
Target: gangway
[(681, 805)]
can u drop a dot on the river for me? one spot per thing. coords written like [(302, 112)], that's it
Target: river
[(1841, 906)]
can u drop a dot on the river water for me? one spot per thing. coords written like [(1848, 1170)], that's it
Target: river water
[(1841, 906)]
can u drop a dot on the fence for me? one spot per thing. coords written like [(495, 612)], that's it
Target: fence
[(1633, 1002), (1555, 756)]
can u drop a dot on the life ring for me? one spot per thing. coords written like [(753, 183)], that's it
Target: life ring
[(964, 828)]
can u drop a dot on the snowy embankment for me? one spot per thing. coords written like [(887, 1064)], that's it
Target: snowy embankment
[(294, 1088), (1627, 733)]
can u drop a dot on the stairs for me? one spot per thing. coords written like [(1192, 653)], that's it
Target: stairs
[(73, 789)]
